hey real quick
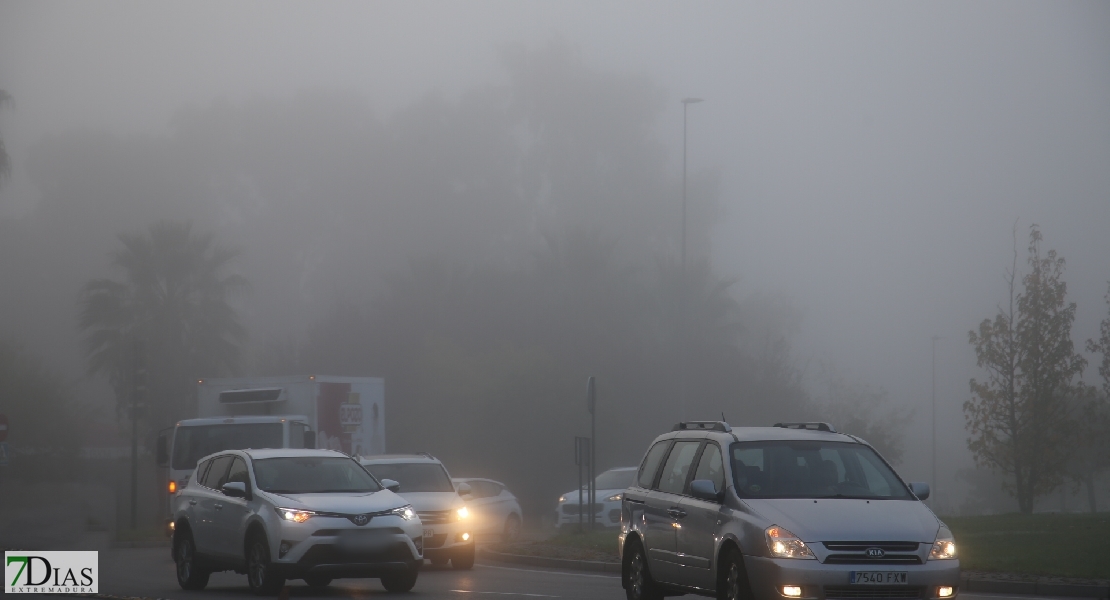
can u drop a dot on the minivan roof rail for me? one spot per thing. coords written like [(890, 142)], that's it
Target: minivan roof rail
[(702, 426), (808, 426)]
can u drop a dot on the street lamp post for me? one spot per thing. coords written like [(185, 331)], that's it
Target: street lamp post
[(686, 102), (934, 493)]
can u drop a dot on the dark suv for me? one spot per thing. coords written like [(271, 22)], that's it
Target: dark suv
[(794, 511)]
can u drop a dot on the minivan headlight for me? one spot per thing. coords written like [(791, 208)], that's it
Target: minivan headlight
[(294, 514), (944, 548), (783, 544), (405, 512)]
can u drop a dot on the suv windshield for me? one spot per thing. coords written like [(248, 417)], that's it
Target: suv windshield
[(813, 469), (312, 475), (615, 480), (415, 477), (192, 442)]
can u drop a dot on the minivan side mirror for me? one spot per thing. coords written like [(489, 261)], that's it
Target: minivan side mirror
[(391, 485), (234, 489), (919, 489), (309, 439), (703, 489), (464, 489)]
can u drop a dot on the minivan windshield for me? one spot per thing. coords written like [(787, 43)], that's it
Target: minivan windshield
[(414, 477), (813, 469), (312, 475)]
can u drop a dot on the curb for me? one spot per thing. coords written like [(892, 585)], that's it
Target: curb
[(592, 566), (987, 586)]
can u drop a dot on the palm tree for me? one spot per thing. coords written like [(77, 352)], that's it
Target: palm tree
[(171, 311)]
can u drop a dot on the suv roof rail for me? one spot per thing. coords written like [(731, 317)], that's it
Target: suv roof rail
[(428, 454), (702, 426), (808, 426)]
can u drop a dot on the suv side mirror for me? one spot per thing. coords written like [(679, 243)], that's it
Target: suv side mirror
[(703, 489), (919, 489), (391, 485), (309, 439), (234, 489), (464, 489), (162, 449)]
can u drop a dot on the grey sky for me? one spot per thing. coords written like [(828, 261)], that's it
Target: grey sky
[(874, 155)]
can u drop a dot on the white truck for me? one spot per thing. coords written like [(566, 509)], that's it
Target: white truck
[(313, 411)]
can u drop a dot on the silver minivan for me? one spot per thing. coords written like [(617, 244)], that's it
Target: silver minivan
[(795, 511)]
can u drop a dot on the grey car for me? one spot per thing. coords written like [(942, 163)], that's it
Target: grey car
[(794, 511)]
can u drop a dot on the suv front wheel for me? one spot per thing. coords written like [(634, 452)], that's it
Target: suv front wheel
[(261, 577), (189, 576)]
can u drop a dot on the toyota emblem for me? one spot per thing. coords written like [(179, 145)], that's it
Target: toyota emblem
[(875, 553), (363, 519)]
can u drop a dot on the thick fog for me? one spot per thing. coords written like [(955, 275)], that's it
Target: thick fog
[(857, 170)]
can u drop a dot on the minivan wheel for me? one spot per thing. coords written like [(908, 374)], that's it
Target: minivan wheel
[(639, 585), (189, 576), (732, 578), (261, 577)]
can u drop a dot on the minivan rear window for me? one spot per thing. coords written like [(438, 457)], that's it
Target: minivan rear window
[(813, 469)]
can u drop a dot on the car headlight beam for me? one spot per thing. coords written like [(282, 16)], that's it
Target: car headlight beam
[(405, 512), (294, 514), (944, 548), (783, 544)]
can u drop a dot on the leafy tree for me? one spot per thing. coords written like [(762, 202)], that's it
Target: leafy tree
[(857, 408), (1019, 417), (1092, 443), (1102, 346), (173, 303)]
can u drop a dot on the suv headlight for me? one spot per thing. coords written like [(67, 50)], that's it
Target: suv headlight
[(463, 513), (944, 548), (783, 544), (614, 498), (294, 514), (405, 512), (562, 498)]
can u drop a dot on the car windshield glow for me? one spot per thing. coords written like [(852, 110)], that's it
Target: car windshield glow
[(615, 480), (193, 442), (414, 477), (312, 475), (813, 469)]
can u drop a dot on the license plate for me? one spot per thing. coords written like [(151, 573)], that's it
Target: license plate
[(429, 533), (877, 577)]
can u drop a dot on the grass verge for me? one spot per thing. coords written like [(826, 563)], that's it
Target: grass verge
[(1059, 545)]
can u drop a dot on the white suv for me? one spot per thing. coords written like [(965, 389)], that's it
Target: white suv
[(292, 513), (424, 483)]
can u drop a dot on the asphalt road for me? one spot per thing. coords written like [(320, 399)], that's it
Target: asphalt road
[(149, 572)]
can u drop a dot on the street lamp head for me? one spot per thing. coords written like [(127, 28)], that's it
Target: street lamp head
[(692, 100)]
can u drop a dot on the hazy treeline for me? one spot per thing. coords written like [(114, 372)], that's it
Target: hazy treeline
[(483, 253)]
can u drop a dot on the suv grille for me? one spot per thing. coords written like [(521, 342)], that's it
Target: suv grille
[(436, 517), (855, 553), (872, 592), (572, 509)]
